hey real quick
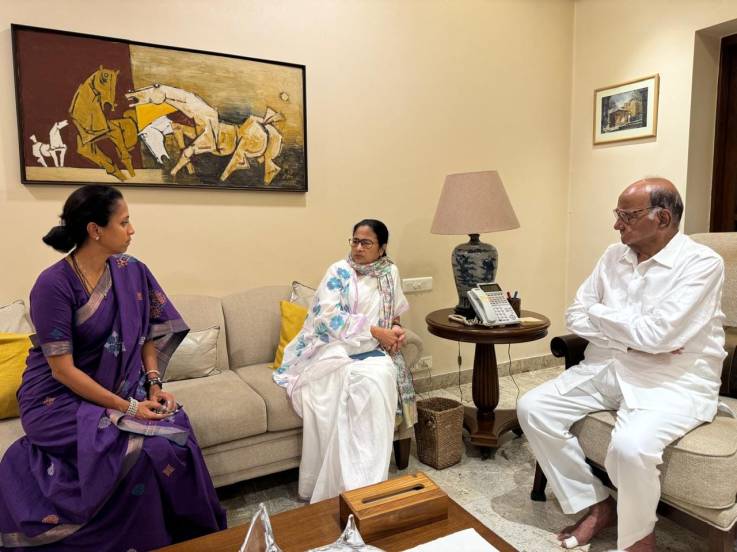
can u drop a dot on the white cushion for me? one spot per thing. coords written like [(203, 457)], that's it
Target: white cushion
[(196, 356), (302, 295), (13, 319)]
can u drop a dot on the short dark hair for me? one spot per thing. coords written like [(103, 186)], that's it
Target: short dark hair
[(91, 203), (379, 228), (667, 199)]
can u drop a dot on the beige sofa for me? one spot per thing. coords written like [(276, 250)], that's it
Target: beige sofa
[(699, 471), (242, 419)]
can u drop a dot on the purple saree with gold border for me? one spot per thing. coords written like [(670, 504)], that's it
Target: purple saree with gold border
[(88, 478)]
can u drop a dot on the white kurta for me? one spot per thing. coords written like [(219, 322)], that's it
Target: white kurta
[(348, 407), (635, 315)]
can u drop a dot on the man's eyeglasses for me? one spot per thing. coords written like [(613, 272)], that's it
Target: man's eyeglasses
[(628, 217), (355, 242)]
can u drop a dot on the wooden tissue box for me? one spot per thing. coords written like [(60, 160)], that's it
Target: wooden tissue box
[(395, 505)]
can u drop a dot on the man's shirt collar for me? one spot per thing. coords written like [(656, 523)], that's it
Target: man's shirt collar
[(666, 256)]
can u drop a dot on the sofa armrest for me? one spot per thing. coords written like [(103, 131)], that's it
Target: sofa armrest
[(569, 346), (729, 368), (412, 349)]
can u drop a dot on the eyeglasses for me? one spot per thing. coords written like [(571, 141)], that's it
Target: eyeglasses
[(628, 217), (366, 244)]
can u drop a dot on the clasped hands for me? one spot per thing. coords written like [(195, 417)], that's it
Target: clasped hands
[(391, 340), (160, 405)]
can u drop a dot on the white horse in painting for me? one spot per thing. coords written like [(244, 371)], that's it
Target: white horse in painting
[(256, 138)]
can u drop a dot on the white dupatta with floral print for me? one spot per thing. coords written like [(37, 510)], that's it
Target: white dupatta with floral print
[(335, 329)]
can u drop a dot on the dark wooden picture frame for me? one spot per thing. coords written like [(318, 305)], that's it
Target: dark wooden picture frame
[(95, 109)]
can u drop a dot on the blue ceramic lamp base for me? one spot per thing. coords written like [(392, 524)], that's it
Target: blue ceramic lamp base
[(473, 262)]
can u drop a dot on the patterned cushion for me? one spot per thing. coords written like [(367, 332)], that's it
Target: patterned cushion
[(710, 451)]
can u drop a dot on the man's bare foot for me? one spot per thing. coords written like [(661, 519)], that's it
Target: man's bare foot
[(645, 544), (599, 517)]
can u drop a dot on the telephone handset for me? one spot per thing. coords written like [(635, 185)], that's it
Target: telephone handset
[(492, 308)]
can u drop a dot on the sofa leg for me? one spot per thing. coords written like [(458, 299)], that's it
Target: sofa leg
[(721, 541), (401, 452), (538, 486)]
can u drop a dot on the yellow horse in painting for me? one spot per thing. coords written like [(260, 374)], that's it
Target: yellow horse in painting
[(87, 112), (256, 138)]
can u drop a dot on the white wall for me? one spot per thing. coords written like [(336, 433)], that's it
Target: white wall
[(399, 94)]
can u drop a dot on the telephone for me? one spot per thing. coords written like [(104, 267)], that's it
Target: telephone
[(492, 308)]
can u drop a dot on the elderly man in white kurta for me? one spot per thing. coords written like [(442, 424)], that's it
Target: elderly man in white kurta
[(651, 313)]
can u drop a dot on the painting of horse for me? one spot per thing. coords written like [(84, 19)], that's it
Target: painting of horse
[(130, 113)]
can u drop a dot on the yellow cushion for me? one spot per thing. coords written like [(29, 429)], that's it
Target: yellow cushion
[(292, 319), (13, 352)]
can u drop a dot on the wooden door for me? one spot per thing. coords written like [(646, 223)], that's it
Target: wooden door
[(724, 184)]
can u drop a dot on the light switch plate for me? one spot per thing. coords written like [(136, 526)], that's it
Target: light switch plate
[(415, 285)]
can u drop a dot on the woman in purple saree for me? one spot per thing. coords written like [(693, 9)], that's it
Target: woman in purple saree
[(109, 460)]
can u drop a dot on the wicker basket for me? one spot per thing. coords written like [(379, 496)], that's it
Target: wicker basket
[(439, 432)]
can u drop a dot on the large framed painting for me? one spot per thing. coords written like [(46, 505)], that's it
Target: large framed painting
[(626, 111), (94, 109)]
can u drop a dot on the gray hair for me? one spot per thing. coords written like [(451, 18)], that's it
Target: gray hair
[(667, 199)]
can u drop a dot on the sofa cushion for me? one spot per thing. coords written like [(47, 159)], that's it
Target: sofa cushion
[(201, 312), (13, 353), (279, 411), (725, 243), (221, 408), (14, 319), (10, 431), (292, 319), (252, 321), (302, 294), (710, 451), (196, 356)]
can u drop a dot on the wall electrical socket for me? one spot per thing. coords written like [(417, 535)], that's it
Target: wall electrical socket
[(415, 285), (425, 363)]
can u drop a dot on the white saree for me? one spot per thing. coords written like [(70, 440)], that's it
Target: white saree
[(348, 405)]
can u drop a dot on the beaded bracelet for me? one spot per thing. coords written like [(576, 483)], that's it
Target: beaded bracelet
[(153, 381), (132, 407)]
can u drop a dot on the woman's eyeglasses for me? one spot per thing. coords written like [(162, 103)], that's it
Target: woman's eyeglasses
[(355, 242)]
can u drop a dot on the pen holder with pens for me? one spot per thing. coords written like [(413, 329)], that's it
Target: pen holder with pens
[(515, 303)]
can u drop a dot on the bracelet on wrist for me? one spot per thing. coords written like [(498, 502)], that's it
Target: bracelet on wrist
[(132, 407), (151, 382)]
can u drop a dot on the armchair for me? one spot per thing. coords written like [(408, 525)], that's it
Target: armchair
[(699, 471)]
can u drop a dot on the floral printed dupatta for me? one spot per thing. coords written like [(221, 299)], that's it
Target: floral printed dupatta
[(334, 319)]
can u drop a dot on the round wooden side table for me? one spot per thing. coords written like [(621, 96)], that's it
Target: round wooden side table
[(486, 424)]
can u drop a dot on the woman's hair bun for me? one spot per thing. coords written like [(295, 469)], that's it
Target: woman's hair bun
[(60, 239), (90, 203)]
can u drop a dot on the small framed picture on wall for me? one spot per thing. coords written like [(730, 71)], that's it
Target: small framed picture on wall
[(626, 111)]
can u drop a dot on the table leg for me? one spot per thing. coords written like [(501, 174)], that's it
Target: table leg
[(485, 424)]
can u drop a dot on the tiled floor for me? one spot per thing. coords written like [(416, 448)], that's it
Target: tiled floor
[(496, 491)]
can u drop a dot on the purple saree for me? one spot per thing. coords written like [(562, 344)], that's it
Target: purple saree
[(87, 478)]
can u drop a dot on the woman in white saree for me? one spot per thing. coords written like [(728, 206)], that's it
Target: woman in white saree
[(344, 372)]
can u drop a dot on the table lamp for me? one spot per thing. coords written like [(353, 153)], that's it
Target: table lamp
[(473, 203)]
